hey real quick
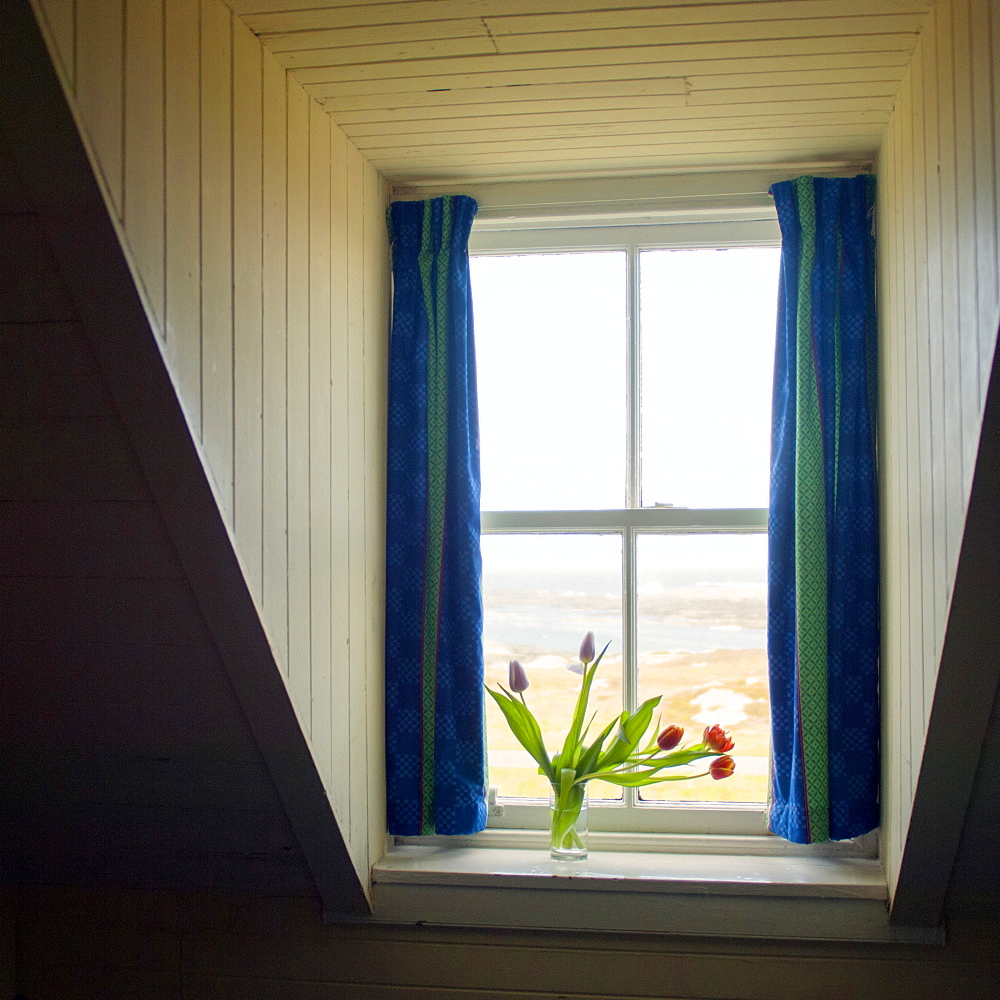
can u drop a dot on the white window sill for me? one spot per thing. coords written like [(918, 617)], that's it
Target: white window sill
[(720, 895)]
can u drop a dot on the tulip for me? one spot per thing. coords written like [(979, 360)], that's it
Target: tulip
[(716, 738), (670, 737), (517, 678), (722, 767), (588, 648)]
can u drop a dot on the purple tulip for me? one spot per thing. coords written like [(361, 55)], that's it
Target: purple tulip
[(517, 678), (588, 648)]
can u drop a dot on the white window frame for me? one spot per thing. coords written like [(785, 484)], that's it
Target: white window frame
[(615, 823), (728, 884)]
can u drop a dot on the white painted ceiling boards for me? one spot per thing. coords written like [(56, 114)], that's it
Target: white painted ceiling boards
[(499, 90)]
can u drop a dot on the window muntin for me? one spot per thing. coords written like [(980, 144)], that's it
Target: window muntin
[(641, 531)]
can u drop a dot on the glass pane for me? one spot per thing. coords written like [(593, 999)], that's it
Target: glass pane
[(541, 594), (707, 354), (702, 644), (550, 355)]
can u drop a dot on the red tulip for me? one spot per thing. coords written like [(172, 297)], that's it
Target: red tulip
[(670, 737), (717, 739), (722, 767), (517, 678)]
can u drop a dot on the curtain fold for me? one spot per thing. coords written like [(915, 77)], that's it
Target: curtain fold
[(823, 579), (435, 752)]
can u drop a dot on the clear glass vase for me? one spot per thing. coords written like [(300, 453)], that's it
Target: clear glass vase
[(568, 823)]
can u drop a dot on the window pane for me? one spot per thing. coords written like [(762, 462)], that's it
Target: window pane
[(702, 644), (550, 355), (707, 354), (541, 594)]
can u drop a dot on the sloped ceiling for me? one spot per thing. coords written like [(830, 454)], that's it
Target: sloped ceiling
[(486, 90)]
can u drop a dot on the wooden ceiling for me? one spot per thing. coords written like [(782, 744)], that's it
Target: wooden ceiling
[(440, 90)]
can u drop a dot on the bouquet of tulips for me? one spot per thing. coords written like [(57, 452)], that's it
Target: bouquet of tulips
[(617, 754)]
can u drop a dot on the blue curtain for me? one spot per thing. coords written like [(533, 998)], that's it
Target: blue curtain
[(435, 752), (823, 604)]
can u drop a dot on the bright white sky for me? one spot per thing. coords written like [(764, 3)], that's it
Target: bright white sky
[(550, 342)]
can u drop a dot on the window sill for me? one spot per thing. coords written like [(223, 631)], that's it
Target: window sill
[(718, 895)]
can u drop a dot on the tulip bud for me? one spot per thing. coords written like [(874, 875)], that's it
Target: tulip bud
[(722, 767), (588, 648), (717, 739), (670, 737), (516, 677)]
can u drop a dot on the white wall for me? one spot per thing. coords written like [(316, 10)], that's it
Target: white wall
[(938, 285), (256, 234)]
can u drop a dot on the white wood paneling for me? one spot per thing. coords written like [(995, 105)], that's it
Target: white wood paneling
[(59, 16), (320, 433), (248, 403), (100, 44), (340, 597), (232, 192), (297, 380), (144, 160), (490, 70), (357, 500), (217, 248), (182, 203), (275, 448), (940, 301), (376, 374)]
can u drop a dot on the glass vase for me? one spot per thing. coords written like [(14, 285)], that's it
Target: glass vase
[(568, 823)]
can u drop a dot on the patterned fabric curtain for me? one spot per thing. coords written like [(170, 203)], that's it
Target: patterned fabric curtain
[(823, 604), (435, 753)]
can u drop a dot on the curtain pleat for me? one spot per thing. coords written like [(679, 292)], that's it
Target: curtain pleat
[(823, 610), (435, 754)]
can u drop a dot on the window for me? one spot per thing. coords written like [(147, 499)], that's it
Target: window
[(624, 392)]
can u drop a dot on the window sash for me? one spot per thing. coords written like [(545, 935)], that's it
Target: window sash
[(631, 816)]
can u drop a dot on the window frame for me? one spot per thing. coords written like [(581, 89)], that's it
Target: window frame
[(505, 238)]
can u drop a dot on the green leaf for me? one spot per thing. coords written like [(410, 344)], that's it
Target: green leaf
[(571, 747), (589, 760), (632, 730), (525, 728), (634, 780)]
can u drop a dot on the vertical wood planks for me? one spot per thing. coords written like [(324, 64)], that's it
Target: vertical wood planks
[(299, 445), (894, 580), (970, 383), (924, 486), (257, 231), (939, 292), (950, 332), (144, 162), (248, 462), (217, 248), (320, 432), (932, 276), (984, 96), (60, 18), (275, 447), (376, 258), (357, 502), (340, 597), (100, 26), (182, 126)]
